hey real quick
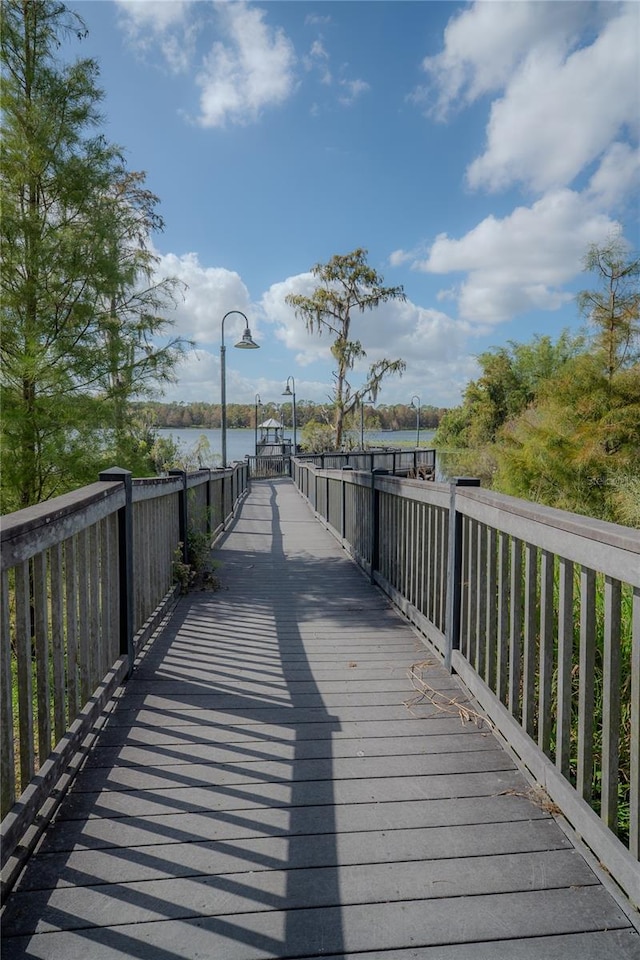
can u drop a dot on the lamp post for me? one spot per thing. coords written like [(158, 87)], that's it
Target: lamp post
[(362, 403), (255, 423), (245, 343), (416, 397), (288, 392)]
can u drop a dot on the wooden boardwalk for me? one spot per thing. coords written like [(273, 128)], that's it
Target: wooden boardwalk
[(261, 789)]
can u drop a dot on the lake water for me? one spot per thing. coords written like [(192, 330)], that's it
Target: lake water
[(240, 443)]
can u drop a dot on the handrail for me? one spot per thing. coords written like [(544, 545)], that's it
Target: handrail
[(538, 611), (419, 462), (74, 615)]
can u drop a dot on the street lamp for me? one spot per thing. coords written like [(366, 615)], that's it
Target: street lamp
[(417, 418), (246, 343), (288, 392), (258, 404), (362, 402)]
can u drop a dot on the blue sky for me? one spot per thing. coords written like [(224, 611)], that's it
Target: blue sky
[(475, 150)]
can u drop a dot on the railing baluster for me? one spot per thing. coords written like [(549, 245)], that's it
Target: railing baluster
[(464, 590), (41, 645), (83, 616), (586, 691), (24, 673), (95, 646), (71, 617), (530, 632), (611, 703), (7, 767), (502, 665), (546, 650), (492, 611), (565, 664), (57, 641), (472, 619), (481, 601), (515, 629)]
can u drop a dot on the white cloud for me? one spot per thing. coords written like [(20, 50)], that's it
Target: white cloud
[(521, 262), (616, 177), (567, 77), (559, 113), (484, 43), (398, 257), (252, 70), (165, 24), (211, 292), (318, 59), (353, 89)]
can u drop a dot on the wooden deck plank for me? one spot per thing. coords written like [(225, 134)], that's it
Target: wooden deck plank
[(246, 795), (263, 885), (163, 754), (242, 771), (194, 732), (269, 821), (267, 786), (177, 715), (342, 930), (197, 857)]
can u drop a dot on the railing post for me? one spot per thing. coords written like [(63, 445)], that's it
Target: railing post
[(375, 523), (209, 522), (343, 506), (125, 560), (454, 570), (182, 513)]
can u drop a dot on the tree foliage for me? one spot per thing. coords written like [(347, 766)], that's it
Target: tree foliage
[(562, 421), (80, 306), (347, 283), (511, 379), (579, 447)]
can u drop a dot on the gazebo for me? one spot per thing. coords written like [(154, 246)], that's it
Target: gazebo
[(272, 442)]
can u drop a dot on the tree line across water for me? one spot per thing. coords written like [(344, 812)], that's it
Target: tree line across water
[(178, 415)]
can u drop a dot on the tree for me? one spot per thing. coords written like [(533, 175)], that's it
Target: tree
[(132, 314), (614, 307), (578, 447), (511, 379), (347, 283), (79, 302)]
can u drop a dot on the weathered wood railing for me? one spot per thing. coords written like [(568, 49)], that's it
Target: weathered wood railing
[(420, 462), (538, 611), (393, 461), (86, 578)]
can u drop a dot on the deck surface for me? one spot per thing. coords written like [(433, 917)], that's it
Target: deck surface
[(262, 789)]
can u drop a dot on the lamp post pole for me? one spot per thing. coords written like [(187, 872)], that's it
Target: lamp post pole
[(416, 397), (255, 423), (245, 343), (288, 392)]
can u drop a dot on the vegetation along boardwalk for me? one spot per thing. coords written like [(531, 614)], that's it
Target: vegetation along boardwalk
[(270, 783)]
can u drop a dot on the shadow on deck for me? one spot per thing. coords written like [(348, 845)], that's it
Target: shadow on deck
[(262, 789)]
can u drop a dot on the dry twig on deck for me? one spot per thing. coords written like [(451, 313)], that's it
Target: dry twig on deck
[(440, 700)]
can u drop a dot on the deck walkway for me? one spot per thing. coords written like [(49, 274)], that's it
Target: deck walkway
[(262, 790)]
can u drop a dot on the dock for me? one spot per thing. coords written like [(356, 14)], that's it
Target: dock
[(291, 773)]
